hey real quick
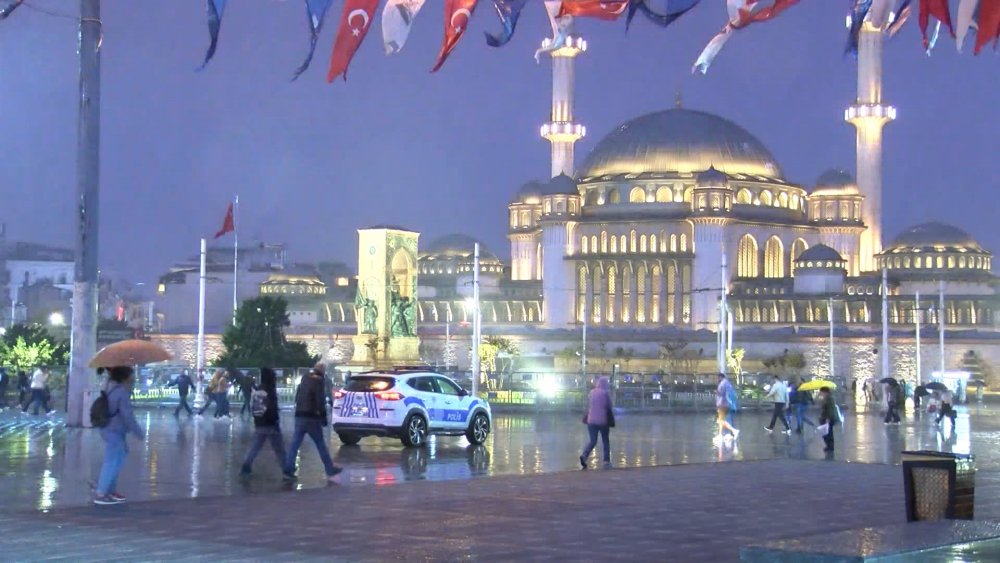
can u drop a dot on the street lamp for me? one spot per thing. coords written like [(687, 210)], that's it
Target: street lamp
[(57, 319)]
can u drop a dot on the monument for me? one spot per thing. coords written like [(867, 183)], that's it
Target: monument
[(386, 300)]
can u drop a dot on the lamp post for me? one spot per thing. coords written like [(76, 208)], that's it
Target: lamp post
[(941, 312), (829, 314), (476, 323), (917, 311)]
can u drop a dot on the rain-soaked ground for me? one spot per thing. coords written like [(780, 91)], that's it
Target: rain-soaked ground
[(45, 465)]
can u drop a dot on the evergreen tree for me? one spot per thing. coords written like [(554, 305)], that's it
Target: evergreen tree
[(258, 337), (27, 346)]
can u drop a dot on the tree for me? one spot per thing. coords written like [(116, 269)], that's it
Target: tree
[(26, 346), (258, 337)]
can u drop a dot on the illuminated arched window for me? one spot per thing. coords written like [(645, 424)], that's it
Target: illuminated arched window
[(513, 218), (642, 243), (627, 294), (744, 196), (614, 197), (961, 261), (604, 242), (798, 247), (663, 241), (593, 243), (794, 203), (673, 243), (585, 245), (612, 290), (614, 245), (654, 313), (548, 206), (664, 195), (640, 294), (525, 219), (746, 257), (593, 198), (684, 242), (940, 262), (918, 262), (632, 241), (766, 197), (581, 301), (774, 258), (678, 195), (595, 309), (783, 200), (716, 202), (622, 243), (951, 262), (652, 243), (671, 292), (637, 195), (687, 194)]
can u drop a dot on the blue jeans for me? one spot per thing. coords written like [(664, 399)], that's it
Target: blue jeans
[(604, 431), (800, 416), (222, 404), (265, 434), (39, 398), (312, 427), (114, 457)]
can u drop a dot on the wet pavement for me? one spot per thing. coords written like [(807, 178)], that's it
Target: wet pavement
[(44, 465)]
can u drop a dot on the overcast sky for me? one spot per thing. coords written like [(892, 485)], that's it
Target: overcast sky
[(439, 153)]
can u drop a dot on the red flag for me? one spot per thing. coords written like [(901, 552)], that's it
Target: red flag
[(747, 16), (937, 8), (457, 14), (989, 25), (608, 10), (229, 224), (354, 23)]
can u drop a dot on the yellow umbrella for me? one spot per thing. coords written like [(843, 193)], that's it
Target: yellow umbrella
[(129, 353), (816, 385)]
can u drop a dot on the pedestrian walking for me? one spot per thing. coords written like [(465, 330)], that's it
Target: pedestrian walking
[(894, 400), (210, 395), (778, 394), (946, 410), (245, 384), (120, 422), (799, 402), (266, 420), (310, 419), (827, 417), (183, 384), (725, 402), (222, 395), (39, 393), (600, 419), (23, 389)]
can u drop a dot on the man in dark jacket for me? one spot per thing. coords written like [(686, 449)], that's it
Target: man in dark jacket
[(266, 420), (183, 384), (245, 383), (310, 418), (4, 381), (23, 388)]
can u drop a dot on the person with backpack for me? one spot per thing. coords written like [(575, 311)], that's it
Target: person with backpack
[(828, 417), (183, 384), (112, 413), (266, 420), (310, 418), (725, 402)]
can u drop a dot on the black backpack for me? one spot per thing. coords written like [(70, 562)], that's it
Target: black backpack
[(100, 411)]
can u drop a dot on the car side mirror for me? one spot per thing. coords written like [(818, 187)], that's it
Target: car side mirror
[(463, 393)]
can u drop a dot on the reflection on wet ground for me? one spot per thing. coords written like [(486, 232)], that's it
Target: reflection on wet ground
[(43, 464)]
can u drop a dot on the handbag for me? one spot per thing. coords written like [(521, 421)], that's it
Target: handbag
[(823, 429), (611, 417)]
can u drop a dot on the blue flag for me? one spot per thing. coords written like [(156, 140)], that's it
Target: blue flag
[(215, 9), (508, 11), (316, 13), (858, 14), (662, 20), (9, 8)]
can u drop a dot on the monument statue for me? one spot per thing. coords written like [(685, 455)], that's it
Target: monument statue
[(403, 316), (367, 313)]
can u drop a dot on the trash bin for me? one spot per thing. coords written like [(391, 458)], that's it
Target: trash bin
[(939, 485)]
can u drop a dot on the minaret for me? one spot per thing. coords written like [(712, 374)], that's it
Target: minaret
[(869, 116), (561, 130)]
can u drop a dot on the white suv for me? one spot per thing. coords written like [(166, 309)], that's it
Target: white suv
[(409, 405)]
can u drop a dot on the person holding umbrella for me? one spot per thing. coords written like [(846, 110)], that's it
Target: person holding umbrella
[(121, 421), (827, 417), (894, 398)]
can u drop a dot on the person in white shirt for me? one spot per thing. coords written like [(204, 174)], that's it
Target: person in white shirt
[(39, 392), (778, 394)]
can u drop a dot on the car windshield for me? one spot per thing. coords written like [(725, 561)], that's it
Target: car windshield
[(368, 384)]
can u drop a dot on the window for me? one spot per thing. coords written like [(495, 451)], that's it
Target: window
[(632, 243), (513, 218), (626, 294), (560, 206), (614, 197), (746, 257), (604, 242), (585, 245), (642, 243), (366, 384), (684, 242), (673, 243), (783, 200), (622, 243), (548, 206), (845, 211), (716, 202), (612, 289), (766, 198), (744, 196), (525, 219), (595, 310), (652, 243), (701, 202), (940, 262), (637, 195), (687, 194), (794, 204), (654, 314), (774, 258), (798, 247), (614, 245), (581, 287), (640, 291), (593, 197), (664, 195), (425, 384), (446, 387), (593, 243)]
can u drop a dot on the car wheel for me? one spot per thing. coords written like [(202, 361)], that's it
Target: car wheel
[(414, 431), (349, 439), (478, 429)]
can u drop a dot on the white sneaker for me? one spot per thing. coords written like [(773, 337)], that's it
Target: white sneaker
[(736, 434), (787, 432)]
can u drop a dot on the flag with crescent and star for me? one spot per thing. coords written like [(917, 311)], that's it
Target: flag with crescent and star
[(355, 21), (457, 14), (858, 14), (608, 10), (941, 12), (989, 25), (397, 18), (9, 9), (215, 10), (662, 20), (508, 11), (315, 13), (741, 14)]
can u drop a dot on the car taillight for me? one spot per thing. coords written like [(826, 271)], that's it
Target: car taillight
[(339, 394), (388, 396)]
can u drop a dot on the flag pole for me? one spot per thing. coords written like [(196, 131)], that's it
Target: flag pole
[(201, 320), (236, 253)]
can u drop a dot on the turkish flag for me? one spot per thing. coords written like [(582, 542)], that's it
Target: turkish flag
[(457, 14), (354, 23), (989, 25), (228, 224), (608, 10), (940, 10)]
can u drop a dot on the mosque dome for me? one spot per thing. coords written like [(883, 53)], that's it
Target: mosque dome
[(679, 140), (835, 182), (935, 248), (933, 235), (456, 247), (288, 283), (712, 178), (529, 192), (820, 253), (560, 185)]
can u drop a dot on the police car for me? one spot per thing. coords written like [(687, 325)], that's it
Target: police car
[(409, 405)]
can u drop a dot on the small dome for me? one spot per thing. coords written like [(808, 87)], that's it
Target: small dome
[(456, 246), (712, 178), (820, 253), (530, 190), (835, 182), (560, 185), (930, 235)]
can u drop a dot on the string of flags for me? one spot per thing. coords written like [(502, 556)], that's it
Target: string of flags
[(980, 18)]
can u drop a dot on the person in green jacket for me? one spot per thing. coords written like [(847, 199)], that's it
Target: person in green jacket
[(827, 415)]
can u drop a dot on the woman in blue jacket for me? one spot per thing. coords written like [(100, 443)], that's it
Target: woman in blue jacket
[(121, 421)]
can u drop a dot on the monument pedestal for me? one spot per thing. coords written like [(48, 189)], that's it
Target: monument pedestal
[(399, 351)]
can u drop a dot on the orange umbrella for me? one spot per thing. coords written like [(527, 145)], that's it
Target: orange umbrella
[(129, 353)]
